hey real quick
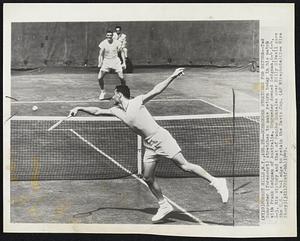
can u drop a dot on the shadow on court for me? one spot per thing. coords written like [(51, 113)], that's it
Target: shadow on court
[(126, 201), (170, 218)]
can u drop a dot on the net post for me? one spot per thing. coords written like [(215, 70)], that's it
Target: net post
[(233, 154), (139, 155)]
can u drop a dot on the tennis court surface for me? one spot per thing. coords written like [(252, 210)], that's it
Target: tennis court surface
[(87, 169)]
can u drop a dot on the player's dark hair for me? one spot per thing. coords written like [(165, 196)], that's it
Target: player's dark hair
[(108, 31), (124, 89), (118, 26)]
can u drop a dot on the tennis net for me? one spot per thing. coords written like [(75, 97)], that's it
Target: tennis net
[(207, 140)]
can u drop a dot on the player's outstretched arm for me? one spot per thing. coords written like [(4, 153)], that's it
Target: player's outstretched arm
[(91, 111), (162, 85)]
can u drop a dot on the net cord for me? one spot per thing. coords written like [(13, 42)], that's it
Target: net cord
[(233, 154), (139, 155), (111, 118), (158, 118)]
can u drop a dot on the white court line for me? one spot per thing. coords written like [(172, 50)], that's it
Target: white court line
[(135, 176), (99, 101), (94, 101), (167, 127), (156, 100), (221, 108)]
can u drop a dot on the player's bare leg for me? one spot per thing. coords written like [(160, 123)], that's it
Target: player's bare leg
[(121, 77), (219, 183), (164, 206), (125, 52), (101, 84)]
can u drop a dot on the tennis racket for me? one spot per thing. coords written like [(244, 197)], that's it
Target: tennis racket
[(59, 122)]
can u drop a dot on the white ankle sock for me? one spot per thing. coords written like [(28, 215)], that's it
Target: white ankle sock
[(214, 181), (163, 202)]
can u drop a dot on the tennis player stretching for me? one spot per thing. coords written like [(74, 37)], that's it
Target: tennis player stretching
[(157, 140)]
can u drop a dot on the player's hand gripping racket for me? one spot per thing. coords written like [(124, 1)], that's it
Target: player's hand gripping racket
[(59, 122), (106, 98)]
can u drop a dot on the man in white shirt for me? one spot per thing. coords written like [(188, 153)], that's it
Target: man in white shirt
[(157, 140), (108, 60), (118, 35)]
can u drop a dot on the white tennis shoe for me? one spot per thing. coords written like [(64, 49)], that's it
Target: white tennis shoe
[(221, 186), (163, 211), (102, 95)]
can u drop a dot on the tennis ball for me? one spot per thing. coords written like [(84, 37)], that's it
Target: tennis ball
[(34, 108)]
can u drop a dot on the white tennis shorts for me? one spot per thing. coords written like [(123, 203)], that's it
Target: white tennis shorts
[(111, 64), (161, 143)]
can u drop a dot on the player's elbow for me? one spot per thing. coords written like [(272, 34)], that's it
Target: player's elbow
[(149, 180), (98, 112), (105, 112), (157, 89)]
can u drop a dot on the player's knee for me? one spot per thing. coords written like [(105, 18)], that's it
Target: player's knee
[(101, 74), (149, 180), (188, 167)]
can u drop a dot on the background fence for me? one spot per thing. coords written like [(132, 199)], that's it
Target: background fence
[(215, 43)]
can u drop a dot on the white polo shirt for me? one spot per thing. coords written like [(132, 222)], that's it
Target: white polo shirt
[(110, 49), (122, 38)]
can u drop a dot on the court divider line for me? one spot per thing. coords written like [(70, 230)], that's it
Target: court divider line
[(99, 101), (134, 176), (155, 100)]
